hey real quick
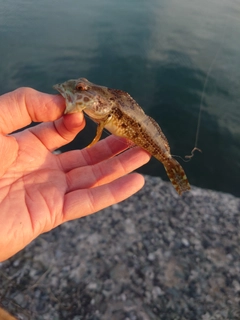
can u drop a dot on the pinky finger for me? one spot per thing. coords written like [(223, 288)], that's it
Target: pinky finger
[(80, 203)]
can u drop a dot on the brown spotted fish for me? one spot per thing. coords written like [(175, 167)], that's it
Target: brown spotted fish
[(120, 114)]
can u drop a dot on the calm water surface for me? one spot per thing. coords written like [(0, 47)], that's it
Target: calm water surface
[(160, 51)]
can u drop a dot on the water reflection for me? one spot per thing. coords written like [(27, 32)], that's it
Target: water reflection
[(158, 51)]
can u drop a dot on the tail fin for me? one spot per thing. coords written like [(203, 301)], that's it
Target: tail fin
[(176, 175)]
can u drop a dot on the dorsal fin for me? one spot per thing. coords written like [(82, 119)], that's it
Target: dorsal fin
[(158, 128), (125, 101)]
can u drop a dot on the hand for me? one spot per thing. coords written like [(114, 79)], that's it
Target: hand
[(40, 190)]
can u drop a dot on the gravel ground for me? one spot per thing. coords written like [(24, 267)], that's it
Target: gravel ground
[(154, 256)]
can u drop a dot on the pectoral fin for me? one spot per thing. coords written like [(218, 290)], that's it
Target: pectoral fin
[(100, 128)]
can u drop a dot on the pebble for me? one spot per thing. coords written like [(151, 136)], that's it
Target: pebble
[(153, 256)]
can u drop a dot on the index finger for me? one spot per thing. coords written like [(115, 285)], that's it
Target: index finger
[(24, 105)]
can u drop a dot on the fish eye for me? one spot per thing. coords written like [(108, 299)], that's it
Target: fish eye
[(81, 86)]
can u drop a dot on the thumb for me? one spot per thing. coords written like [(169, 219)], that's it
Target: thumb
[(24, 105)]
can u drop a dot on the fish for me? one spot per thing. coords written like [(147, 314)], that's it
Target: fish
[(116, 111)]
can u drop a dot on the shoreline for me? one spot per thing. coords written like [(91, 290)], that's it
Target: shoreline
[(153, 256)]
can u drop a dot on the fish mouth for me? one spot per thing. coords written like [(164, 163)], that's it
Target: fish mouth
[(59, 88), (68, 101), (64, 93)]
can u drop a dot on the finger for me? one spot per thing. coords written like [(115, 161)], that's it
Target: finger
[(80, 203), (106, 171), (102, 150), (9, 150), (55, 134), (24, 105)]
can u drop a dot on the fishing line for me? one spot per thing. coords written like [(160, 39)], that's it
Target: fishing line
[(220, 47)]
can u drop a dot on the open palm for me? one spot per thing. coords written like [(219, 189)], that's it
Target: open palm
[(40, 190)]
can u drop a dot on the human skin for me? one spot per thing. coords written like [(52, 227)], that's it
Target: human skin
[(40, 190)]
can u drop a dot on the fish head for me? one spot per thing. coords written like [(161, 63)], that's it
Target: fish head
[(83, 95)]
